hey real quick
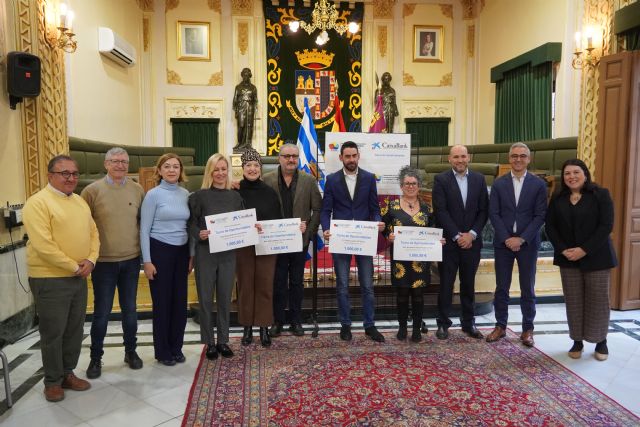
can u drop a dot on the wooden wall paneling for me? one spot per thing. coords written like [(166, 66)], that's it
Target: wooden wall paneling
[(616, 160)]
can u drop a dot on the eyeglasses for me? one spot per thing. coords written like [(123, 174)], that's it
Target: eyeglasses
[(518, 156), (119, 162), (409, 184), (67, 174), (289, 156)]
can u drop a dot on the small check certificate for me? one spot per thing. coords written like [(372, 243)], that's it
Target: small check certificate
[(417, 244), (279, 236), (353, 237), (232, 230)]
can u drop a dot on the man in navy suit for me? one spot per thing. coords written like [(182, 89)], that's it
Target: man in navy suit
[(351, 194), (460, 202), (517, 208)]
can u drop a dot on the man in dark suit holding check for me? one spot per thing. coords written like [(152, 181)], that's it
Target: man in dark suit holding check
[(517, 208), (351, 194), (460, 202)]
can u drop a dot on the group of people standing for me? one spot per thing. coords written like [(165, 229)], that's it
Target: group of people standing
[(104, 232)]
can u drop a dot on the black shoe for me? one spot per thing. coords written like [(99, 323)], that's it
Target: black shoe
[(132, 359), (276, 329), (345, 333), (224, 350), (180, 358), (575, 352), (168, 362), (402, 332), (296, 329), (424, 327), (416, 335), (212, 352), (95, 369), (473, 332), (602, 352), (265, 339), (373, 333), (442, 333), (247, 335)]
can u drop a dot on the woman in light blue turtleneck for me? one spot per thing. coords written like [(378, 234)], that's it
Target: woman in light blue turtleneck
[(165, 254)]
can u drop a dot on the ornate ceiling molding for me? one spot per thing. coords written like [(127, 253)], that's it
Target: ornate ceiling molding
[(242, 7), (383, 9), (447, 10), (408, 9), (145, 5), (471, 8)]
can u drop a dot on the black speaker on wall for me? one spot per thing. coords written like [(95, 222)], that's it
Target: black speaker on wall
[(23, 77)]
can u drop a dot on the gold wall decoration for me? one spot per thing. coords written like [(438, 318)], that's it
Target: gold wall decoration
[(471, 8), (145, 34), (243, 37), (382, 40), (214, 5), (383, 9), (44, 119), (408, 9), (471, 40), (145, 5), (242, 7), (446, 80), (170, 4), (216, 79), (173, 78), (596, 12), (413, 108), (447, 10), (407, 79)]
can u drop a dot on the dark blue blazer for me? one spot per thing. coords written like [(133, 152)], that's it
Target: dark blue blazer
[(529, 215), (452, 215), (337, 203)]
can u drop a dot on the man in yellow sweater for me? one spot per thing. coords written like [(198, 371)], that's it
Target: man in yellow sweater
[(61, 252)]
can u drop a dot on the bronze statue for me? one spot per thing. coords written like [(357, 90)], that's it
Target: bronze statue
[(389, 107), (245, 100)]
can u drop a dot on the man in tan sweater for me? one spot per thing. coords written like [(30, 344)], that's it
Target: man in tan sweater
[(115, 204), (61, 252)]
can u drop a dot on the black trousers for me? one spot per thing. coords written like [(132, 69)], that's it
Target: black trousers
[(465, 262), (288, 287), (169, 296)]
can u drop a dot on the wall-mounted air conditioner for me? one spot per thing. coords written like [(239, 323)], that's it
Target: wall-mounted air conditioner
[(115, 47)]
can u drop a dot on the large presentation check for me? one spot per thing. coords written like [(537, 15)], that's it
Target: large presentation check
[(279, 236), (353, 237), (232, 230), (417, 244)]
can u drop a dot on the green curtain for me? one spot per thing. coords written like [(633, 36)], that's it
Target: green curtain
[(523, 104), (633, 39), (428, 131), (201, 134)]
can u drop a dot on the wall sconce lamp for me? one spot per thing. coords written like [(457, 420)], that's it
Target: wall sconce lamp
[(60, 34), (325, 17), (589, 56)]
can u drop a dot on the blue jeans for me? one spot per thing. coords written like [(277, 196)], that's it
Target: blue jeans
[(106, 277), (341, 264)]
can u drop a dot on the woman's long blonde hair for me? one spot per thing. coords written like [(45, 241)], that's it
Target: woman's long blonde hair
[(207, 180)]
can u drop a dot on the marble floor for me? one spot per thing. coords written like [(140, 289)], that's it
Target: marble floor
[(157, 395)]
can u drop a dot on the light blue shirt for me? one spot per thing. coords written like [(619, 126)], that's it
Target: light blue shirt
[(163, 216)]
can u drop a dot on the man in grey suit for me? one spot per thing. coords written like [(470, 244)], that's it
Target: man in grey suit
[(299, 198)]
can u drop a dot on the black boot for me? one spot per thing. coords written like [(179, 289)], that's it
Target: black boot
[(265, 339), (417, 307), (402, 303), (247, 335)]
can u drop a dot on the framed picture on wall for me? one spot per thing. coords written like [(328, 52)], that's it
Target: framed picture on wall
[(193, 41), (428, 43)]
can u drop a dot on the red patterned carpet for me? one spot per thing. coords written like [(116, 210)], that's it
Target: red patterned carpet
[(461, 381)]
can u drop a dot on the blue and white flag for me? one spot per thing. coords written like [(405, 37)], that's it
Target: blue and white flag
[(311, 159)]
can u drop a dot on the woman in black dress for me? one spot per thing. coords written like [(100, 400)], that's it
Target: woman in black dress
[(409, 277)]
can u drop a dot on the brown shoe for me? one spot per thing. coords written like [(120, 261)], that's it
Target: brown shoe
[(53, 393), (75, 383), (497, 333), (527, 338)]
